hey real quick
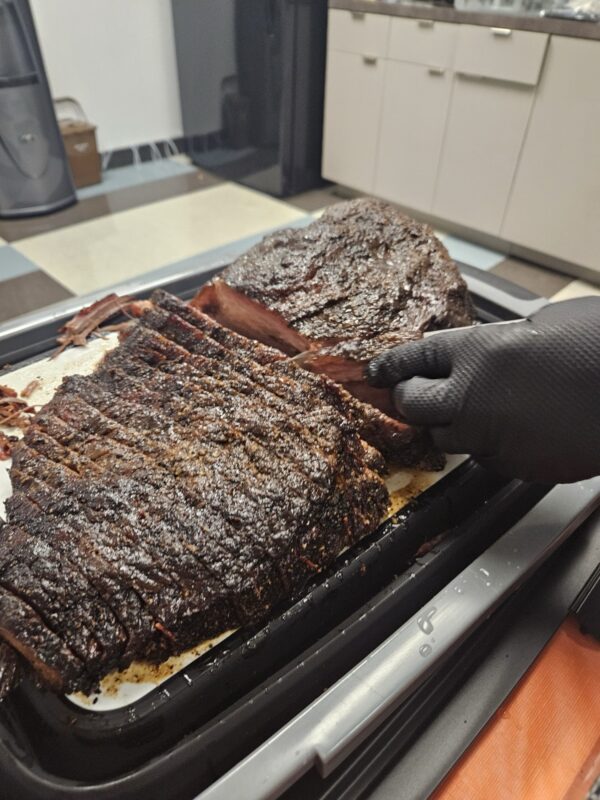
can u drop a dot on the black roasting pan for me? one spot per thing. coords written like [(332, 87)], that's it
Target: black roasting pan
[(191, 729)]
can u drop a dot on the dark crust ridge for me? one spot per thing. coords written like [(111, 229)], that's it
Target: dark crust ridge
[(191, 484)]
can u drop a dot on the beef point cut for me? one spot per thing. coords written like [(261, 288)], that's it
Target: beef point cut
[(359, 280)]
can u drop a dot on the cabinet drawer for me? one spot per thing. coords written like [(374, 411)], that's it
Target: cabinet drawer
[(356, 32), (500, 53), (423, 41)]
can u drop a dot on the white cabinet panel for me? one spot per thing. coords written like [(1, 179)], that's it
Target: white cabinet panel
[(485, 130), (555, 202), (423, 41), (356, 32), (413, 117), (500, 53), (353, 92)]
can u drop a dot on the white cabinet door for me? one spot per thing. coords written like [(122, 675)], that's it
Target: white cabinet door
[(554, 206), (353, 92), (415, 106), (357, 32), (485, 131)]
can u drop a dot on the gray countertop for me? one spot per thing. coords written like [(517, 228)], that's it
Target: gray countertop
[(422, 10)]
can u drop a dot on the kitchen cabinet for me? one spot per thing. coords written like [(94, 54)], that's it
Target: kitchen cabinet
[(357, 32), (353, 95), (422, 41), (554, 205), (484, 133), (415, 105), (493, 129), (495, 74)]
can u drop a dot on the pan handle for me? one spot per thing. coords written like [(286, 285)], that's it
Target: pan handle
[(331, 727)]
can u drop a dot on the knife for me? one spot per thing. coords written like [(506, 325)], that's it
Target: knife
[(307, 355)]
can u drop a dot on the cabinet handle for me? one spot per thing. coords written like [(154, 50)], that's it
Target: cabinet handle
[(436, 70), (358, 15), (425, 23), (501, 31), (370, 60), (472, 76)]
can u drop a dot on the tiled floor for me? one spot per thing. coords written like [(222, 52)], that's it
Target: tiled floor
[(576, 289), (133, 196), (28, 292), (537, 279), (13, 264), (470, 253), (99, 252), (161, 216), (318, 199)]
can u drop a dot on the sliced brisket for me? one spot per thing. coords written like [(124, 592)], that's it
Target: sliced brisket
[(398, 442), (190, 484)]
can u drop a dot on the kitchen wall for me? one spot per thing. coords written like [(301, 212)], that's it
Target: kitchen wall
[(118, 59)]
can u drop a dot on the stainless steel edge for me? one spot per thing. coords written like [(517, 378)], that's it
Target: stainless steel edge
[(331, 727), (66, 308)]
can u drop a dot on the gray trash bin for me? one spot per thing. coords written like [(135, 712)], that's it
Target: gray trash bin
[(34, 171)]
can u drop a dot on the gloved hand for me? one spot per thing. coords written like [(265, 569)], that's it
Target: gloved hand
[(523, 398)]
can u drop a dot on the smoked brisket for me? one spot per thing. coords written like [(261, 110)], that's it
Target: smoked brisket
[(191, 484), (200, 476), (359, 280)]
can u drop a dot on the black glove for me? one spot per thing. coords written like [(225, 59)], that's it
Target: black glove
[(523, 398)]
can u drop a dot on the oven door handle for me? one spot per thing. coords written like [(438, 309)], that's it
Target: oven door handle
[(333, 725)]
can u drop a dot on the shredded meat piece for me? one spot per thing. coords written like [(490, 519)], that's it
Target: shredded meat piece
[(30, 388), (135, 308), (87, 321), (122, 328), (77, 330), (13, 409), (6, 443)]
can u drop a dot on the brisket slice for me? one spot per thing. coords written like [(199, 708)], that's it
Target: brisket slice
[(186, 487), (396, 441), (359, 280), (23, 629)]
